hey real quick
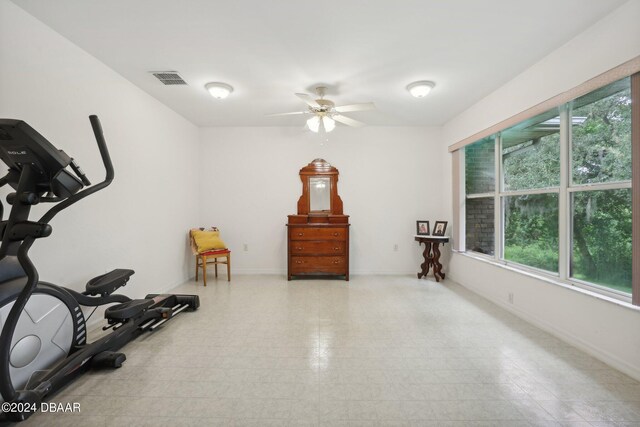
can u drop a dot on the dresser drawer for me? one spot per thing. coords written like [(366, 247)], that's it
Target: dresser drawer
[(318, 264), (302, 247), (320, 233)]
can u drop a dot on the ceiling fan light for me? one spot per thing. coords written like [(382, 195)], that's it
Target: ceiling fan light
[(314, 124), (420, 89), (329, 124), (219, 90)]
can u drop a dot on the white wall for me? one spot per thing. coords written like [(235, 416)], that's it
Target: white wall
[(141, 220), (389, 178), (604, 329)]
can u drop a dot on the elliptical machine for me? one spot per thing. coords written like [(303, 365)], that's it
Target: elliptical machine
[(43, 344)]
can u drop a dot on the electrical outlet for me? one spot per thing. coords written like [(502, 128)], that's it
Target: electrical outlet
[(395, 247), (245, 247), (511, 297)]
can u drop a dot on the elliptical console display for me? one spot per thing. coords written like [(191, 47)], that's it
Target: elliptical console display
[(43, 344)]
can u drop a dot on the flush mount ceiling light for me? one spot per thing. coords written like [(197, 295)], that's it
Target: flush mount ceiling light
[(219, 90), (420, 89)]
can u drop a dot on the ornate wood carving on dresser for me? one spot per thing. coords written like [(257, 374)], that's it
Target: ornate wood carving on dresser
[(318, 236)]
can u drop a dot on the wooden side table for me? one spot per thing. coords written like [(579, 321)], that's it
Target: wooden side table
[(431, 255)]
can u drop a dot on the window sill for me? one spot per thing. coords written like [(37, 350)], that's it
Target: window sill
[(549, 279)]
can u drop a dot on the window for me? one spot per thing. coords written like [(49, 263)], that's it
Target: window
[(601, 135), (530, 181), (480, 189), (601, 238), (601, 187), (480, 167), (531, 230), (480, 229), (561, 184), (531, 157)]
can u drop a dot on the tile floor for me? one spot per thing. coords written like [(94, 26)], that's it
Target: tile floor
[(378, 351)]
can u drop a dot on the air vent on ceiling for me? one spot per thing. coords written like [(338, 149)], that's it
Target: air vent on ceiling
[(169, 77)]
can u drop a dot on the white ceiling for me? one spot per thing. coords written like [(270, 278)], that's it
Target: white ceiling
[(362, 50)]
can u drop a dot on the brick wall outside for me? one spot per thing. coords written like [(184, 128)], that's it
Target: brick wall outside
[(480, 225)]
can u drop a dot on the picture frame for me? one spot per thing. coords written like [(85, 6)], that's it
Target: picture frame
[(422, 228), (439, 228)]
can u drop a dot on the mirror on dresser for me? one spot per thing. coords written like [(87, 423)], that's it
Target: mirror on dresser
[(318, 235), (319, 194)]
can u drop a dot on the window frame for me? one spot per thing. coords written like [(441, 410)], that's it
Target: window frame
[(635, 190)]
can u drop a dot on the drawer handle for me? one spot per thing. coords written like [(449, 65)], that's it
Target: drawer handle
[(298, 262), (335, 234), (336, 249), (299, 248), (336, 262), (300, 234)]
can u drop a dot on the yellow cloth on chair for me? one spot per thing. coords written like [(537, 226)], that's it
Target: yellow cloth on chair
[(207, 240)]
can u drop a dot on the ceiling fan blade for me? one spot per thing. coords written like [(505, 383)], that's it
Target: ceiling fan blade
[(286, 114), (347, 120), (307, 99), (365, 106)]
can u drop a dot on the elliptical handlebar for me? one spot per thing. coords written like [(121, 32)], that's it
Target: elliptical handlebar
[(108, 165), (102, 146)]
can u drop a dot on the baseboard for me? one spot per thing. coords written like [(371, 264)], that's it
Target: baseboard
[(598, 353), (256, 271), (275, 271), (383, 273)]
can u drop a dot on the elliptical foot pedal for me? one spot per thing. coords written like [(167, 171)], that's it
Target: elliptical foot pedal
[(127, 310), (108, 359), (191, 301), (107, 283)]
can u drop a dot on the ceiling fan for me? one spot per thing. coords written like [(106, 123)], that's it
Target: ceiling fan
[(326, 113)]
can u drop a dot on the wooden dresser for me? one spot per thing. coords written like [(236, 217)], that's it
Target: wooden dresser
[(318, 236), (320, 249)]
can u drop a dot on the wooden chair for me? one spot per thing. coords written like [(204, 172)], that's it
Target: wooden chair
[(215, 257)]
